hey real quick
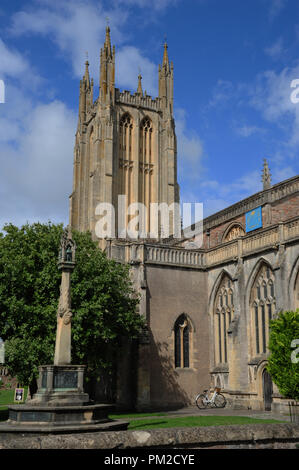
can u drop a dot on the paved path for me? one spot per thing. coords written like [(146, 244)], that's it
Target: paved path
[(194, 411)]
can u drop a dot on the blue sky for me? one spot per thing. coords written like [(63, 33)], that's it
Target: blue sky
[(233, 65)]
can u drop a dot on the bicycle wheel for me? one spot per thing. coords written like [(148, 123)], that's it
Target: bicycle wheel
[(200, 401), (220, 401)]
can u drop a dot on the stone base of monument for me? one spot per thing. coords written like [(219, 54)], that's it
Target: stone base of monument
[(61, 419), (61, 406), (60, 385)]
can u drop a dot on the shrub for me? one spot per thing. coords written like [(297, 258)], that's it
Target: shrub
[(282, 365)]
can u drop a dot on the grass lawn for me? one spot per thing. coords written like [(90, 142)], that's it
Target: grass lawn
[(162, 420), (155, 420), (7, 397), (136, 415), (192, 421)]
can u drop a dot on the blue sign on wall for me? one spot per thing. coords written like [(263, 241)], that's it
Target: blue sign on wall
[(254, 219)]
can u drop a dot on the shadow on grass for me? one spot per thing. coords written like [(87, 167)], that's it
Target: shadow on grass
[(194, 421)]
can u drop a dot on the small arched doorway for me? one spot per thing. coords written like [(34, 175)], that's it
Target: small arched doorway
[(267, 390)]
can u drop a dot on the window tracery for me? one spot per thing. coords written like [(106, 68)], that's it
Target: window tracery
[(182, 332), (263, 308), (223, 316)]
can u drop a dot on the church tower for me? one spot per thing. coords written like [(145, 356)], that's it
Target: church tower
[(125, 145)]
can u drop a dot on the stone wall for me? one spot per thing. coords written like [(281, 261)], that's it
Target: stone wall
[(254, 436), (285, 209), (6, 379), (173, 291), (172, 280)]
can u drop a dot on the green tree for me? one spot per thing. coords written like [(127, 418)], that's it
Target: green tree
[(103, 301), (283, 366)]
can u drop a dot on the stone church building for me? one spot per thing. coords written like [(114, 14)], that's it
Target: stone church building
[(207, 309)]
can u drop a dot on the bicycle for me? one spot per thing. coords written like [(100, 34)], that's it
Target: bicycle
[(218, 400)]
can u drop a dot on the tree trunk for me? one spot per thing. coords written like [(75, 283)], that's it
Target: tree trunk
[(33, 387)]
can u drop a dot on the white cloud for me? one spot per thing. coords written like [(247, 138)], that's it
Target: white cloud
[(47, 149), (36, 147), (244, 186), (272, 96), (190, 154), (248, 131), (217, 195), (128, 62), (12, 64), (76, 28), (154, 4), (80, 27), (190, 148), (36, 154), (282, 173), (276, 50), (276, 6), (222, 93)]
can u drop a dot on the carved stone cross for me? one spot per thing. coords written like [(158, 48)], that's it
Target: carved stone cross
[(66, 263)]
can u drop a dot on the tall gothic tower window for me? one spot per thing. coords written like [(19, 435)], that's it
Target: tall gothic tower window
[(263, 308), (125, 156), (146, 166), (182, 332), (223, 315)]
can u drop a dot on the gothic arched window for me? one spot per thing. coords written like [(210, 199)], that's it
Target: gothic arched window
[(125, 156), (146, 166), (125, 138), (262, 302), (145, 141), (182, 332), (223, 315)]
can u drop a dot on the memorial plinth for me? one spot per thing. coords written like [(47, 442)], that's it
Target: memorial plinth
[(60, 385), (60, 404)]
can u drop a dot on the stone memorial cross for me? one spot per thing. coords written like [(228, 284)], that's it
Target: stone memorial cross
[(66, 263)]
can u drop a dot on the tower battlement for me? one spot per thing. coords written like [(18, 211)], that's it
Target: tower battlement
[(136, 99)]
